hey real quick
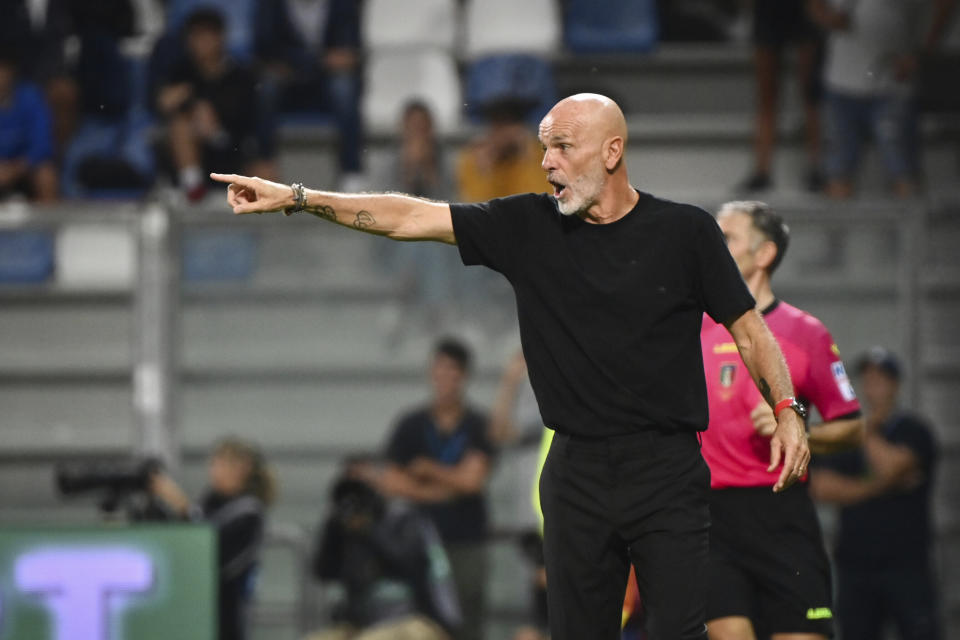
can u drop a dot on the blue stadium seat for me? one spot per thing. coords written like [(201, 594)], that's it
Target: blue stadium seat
[(240, 16), (26, 257), (219, 256), (622, 26), (519, 78), (121, 141)]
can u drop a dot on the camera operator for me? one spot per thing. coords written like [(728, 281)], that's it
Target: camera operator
[(240, 488), (391, 564)]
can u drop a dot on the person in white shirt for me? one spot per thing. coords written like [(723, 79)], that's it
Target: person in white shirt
[(873, 54)]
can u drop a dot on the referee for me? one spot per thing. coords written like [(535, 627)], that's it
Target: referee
[(756, 589), (611, 284)]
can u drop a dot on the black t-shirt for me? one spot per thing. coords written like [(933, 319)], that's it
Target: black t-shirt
[(233, 96), (609, 314), (894, 528), (416, 435)]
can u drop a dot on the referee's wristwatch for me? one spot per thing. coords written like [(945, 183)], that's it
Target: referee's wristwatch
[(790, 403)]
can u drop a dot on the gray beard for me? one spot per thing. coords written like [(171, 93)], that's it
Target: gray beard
[(560, 208)]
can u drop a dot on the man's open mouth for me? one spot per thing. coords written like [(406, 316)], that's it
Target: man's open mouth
[(558, 188)]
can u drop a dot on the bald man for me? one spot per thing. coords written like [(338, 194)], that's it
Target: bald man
[(611, 284)]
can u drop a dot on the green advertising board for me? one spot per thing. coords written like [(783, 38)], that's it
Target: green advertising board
[(124, 582)]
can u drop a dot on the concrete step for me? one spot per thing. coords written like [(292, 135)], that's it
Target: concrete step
[(694, 78), (668, 153)]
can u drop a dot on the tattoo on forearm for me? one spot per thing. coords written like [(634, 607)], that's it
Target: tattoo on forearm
[(363, 220), (764, 388), (322, 211)]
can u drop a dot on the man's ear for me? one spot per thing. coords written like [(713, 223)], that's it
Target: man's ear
[(612, 153), (765, 254)]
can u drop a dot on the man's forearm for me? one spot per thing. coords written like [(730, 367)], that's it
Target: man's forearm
[(836, 435), (762, 356), (397, 482), (466, 478), (829, 486), (396, 216)]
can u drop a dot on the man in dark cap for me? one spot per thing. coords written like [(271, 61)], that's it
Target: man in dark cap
[(884, 543)]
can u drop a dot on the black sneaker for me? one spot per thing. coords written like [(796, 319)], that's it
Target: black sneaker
[(755, 182)]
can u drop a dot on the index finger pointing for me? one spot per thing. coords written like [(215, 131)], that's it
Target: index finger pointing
[(229, 177)]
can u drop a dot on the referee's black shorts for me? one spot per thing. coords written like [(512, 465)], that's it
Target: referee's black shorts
[(767, 561), (641, 497)]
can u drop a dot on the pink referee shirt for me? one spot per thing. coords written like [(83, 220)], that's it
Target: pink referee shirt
[(738, 456)]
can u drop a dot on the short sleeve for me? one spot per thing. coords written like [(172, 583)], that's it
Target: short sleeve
[(827, 386), (479, 440), (915, 435), (723, 293), (488, 233), (401, 448)]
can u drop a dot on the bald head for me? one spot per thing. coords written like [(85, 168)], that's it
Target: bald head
[(595, 115), (584, 138)]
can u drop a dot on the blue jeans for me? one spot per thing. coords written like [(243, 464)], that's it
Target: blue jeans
[(889, 119)]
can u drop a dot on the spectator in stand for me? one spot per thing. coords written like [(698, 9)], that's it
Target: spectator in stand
[(325, 74), (390, 562), (71, 49), (419, 168), (431, 281), (241, 488), (884, 544), (308, 52), (38, 32), (505, 159), (777, 24), (872, 62), (26, 143), (110, 149), (211, 108), (440, 458)]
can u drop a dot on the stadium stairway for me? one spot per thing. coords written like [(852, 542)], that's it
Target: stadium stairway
[(689, 110)]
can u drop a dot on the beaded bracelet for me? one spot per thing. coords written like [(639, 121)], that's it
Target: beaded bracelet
[(299, 199)]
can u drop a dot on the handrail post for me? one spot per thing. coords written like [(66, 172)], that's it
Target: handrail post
[(156, 321), (912, 225)]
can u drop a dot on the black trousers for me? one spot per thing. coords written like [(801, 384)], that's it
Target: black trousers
[(869, 598), (640, 498)]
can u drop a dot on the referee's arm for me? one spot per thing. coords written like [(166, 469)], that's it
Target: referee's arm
[(396, 216), (763, 358)]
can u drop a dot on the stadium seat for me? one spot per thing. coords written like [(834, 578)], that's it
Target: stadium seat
[(219, 256), (622, 26), (411, 23), (238, 14), (110, 157), (26, 257), (512, 26), (95, 257), (393, 78), (517, 78)]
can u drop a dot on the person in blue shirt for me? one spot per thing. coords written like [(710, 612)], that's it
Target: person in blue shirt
[(26, 141)]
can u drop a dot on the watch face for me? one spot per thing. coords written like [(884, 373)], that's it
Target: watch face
[(800, 409)]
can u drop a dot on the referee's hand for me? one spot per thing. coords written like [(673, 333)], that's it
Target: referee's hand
[(789, 444)]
